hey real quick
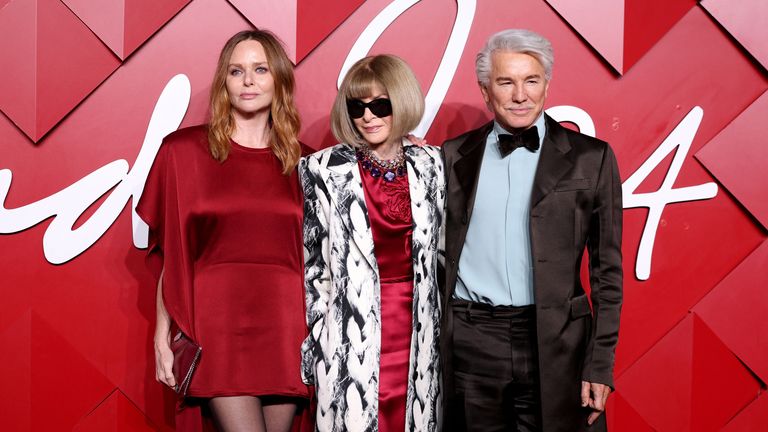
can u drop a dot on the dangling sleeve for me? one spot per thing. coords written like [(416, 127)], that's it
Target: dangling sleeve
[(162, 207)]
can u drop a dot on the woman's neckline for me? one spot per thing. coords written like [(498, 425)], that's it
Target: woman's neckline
[(236, 145)]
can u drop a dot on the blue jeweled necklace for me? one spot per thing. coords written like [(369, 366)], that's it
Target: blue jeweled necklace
[(388, 170)]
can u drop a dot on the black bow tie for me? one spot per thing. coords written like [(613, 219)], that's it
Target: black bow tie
[(528, 138)]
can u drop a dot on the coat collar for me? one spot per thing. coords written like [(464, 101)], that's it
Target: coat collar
[(342, 159), (346, 187)]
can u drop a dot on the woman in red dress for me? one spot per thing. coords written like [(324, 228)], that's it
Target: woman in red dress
[(372, 217), (224, 207)]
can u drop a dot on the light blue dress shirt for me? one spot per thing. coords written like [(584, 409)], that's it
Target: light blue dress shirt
[(496, 264)]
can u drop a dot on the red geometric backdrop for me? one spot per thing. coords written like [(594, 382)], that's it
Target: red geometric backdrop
[(80, 80)]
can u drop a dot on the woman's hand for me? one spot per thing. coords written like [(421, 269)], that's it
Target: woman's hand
[(164, 358), (163, 353)]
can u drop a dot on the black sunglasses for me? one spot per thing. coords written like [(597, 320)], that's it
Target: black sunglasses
[(379, 107)]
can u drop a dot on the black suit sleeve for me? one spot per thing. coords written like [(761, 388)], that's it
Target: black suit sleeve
[(605, 268)]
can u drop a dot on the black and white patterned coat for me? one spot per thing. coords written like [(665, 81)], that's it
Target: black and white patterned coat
[(340, 357)]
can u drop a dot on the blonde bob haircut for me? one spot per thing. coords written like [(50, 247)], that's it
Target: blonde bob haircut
[(396, 79), (284, 119)]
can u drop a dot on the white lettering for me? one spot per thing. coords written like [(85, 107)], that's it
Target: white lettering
[(61, 243), (681, 138), (465, 13)]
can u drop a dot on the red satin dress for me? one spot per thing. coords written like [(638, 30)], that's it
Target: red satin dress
[(389, 210), (229, 235)]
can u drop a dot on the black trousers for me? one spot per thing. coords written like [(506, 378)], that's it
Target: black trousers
[(495, 369)]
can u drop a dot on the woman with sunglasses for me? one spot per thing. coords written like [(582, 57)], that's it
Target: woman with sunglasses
[(372, 215)]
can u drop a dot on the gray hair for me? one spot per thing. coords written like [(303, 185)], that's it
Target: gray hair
[(515, 40)]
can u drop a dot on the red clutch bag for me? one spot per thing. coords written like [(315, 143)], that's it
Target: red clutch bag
[(186, 356)]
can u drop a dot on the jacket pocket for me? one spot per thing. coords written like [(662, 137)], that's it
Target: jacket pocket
[(580, 307), (573, 184)]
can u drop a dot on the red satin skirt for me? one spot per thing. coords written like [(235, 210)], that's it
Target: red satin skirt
[(396, 331)]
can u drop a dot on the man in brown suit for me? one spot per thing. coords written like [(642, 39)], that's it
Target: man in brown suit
[(522, 348)]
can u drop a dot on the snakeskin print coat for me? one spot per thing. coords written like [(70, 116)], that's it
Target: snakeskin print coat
[(340, 357)]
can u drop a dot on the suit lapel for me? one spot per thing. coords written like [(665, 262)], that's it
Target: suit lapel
[(463, 174), (467, 169), (553, 162), (347, 194)]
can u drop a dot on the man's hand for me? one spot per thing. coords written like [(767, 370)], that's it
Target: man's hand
[(421, 142), (594, 395)]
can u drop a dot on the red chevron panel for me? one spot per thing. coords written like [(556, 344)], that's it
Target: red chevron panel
[(123, 25), (671, 386), (746, 21), (600, 23), (17, 49), (104, 18), (40, 91), (646, 22), (316, 21), (736, 311), (301, 24), (279, 17), (753, 418), (737, 158), (622, 417), (50, 366), (622, 31), (115, 414)]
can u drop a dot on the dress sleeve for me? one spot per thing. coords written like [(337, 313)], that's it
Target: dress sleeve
[(161, 207), (150, 209)]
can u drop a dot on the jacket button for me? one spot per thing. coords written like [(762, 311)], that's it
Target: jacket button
[(464, 219)]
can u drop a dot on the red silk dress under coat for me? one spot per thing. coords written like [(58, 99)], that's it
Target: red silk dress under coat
[(389, 211)]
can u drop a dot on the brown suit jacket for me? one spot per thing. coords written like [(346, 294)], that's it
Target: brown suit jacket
[(575, 205)]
